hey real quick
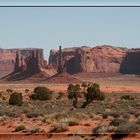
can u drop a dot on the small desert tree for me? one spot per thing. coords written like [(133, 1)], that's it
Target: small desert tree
[(93, 93), (73, 93)]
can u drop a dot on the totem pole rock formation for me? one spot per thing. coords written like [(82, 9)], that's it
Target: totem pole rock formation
[(60, 65), (17, 65), (30, 64)]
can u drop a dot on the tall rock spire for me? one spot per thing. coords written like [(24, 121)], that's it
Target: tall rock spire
[(17, 63), (60, 65), (30, 63), (37, 62), (22, 66)]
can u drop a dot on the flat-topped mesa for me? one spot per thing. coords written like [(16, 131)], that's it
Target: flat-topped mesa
[(99, 59)]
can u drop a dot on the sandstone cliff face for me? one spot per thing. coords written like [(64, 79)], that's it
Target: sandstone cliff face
[(131, 62), (7, 58), (103, 59)]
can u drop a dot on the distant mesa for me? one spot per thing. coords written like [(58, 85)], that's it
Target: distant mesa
[(29, 64), (100, 59), (32, 68), (62, 75)]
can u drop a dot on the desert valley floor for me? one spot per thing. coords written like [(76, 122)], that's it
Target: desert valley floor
[(57, 119)]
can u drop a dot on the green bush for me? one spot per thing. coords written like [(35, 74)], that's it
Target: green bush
[(94, 93), (41, 93), (16, 99), (19, 128), (74, 93), (117, 122), (127, 97), (128, 128), (70, 91), (33, 97)]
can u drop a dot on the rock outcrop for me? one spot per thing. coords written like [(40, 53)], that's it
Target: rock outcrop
[(99, 59), (60, 67), (16, 60), (30, 64), (61, 76), (131, 62)]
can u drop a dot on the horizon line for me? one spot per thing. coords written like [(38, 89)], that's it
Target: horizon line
[(69, 4)]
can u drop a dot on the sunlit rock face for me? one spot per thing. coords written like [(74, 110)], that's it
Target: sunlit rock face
[(7, 59), (105, 59)]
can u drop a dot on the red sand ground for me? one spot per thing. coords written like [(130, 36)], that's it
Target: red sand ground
[(40, 77), (62, 78)]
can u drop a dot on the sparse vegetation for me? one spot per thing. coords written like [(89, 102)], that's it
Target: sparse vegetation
[(27, 90), (90, 90), (60, 115), (99, 130), (84, 85), (19, 128), (73, 93), (127, 97), (58, 128), (138, 121), (127, 128), (71, 123), (8, 111), (60, 95), (93, 93), (32, 129), (9, 90), (16, 99), (117, 122)]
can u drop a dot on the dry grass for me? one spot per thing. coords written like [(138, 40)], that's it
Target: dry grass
[(48, 113)]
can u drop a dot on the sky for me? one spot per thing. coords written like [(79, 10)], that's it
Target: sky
[(63, 2), (49, 27)]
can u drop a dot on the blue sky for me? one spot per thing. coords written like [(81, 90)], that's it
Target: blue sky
[(70, 27), (79, 2)]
